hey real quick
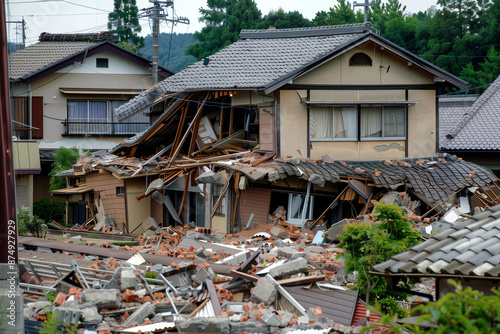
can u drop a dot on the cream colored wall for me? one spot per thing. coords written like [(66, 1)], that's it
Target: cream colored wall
[(421, 116), (219, 224), (137, 211), (363, 150), (293, 124), (422, 124), (83, 76), (338, 71)]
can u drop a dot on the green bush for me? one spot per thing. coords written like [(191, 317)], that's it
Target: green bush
[(64, 160), (50, 210), (27, 222)]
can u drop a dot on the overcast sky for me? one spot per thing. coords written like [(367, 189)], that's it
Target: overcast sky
[(74, 16)]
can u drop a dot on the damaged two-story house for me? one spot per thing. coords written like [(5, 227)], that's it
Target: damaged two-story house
[(296, 125)]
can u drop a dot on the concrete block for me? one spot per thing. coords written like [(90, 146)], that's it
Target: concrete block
[(264, 292), (286, 317), (271, 319), (286, 251), (140, 314), (90, 314), (128, 280), (250, 326), (77, 239), (209, 177), (203, 325), (204, 274), (103, 298), (337, 229), (290, 267)]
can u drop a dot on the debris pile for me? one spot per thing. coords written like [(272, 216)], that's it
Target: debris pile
[(266, 270)]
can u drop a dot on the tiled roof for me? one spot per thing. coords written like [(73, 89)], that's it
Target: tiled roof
[(478, 127), (435, 178), (40, 55), (452, 109), (259, 58), (470, 248)]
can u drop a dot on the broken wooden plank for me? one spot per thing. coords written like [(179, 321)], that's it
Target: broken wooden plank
[(180, 127), (301, 280), (213, 296), (262, 159), (222, 194), (244, 276), (198, 309)]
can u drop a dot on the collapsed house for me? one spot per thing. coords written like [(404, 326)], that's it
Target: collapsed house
[(303, 126)]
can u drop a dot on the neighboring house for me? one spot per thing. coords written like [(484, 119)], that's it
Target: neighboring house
[(469, 127), (468, 252), (307, 98), (64, 90)]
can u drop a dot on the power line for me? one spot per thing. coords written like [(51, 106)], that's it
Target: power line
[(77, 4)]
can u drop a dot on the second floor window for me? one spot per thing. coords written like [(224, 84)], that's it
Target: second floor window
[(97, 117), (352, 123)]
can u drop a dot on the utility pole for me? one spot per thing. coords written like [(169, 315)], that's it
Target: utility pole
[(23, 28), (157, 13), (366, 4)]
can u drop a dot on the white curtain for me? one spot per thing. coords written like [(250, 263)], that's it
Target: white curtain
[(296, 204), (394, 121), (345, 122), (371, 122), (320, 123)]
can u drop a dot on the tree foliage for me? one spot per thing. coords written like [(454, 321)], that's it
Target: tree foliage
[(224, 20), (341, 13), (282, 20), (64, 160), (50, 210), (178, 59), (369, 243), (123, 22)]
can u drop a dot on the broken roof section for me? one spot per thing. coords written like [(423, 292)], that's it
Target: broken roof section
[(265, 60), (434, 178), (469, 248), (477, 127)]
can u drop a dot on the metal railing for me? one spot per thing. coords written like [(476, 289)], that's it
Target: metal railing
[(73, 128)]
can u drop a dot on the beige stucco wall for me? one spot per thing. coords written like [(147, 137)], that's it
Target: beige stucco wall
[(293, 124), (422, 124), (338, 71), (137, 211), (386, 69)]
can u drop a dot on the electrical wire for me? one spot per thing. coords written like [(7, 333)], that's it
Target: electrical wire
[(80, 5)]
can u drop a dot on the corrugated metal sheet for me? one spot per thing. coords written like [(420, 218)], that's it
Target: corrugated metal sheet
[(338, 306), (256, 201)]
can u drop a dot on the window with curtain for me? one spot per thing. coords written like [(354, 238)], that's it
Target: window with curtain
[(333, 123), (97, 117), (341, 123), (383, 122)]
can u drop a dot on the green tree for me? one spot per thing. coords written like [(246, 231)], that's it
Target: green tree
[(488, 71), (367, 244), (281, 20), (64, 160), (123, 23), (341, 13), (224, 20)]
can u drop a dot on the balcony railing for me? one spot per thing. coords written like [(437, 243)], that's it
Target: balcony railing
[(72, 128)]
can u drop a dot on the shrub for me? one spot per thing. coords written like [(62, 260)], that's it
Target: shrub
[(27, 222), (50, 210)]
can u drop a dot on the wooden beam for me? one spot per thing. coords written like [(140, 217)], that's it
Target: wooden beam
[(179, 128), (196, 117), (244, 276), (301, 280), (221, 118), (328, 208), (262, 159), (198, 309), (222, 194), (231, 121), (194, 136), (133, 150), (184, 196)]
